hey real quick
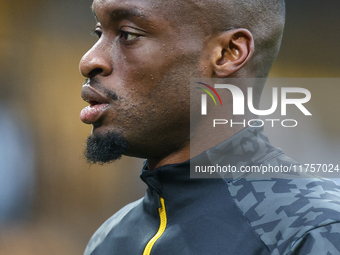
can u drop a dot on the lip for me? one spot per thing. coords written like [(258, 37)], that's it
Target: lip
[(98, 105), (88, 94)]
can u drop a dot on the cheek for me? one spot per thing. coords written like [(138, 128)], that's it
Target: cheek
[(155, 80), (152, 62), (137, 76)]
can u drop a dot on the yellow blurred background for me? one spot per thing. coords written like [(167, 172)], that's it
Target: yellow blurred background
[(41, 43)]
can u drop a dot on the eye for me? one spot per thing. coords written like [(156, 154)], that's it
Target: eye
[(97, 32), (127, 36)]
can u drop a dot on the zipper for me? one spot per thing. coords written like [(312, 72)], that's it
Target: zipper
[(162, 226)]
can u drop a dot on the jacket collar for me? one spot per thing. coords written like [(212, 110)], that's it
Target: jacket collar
[(248, 147)]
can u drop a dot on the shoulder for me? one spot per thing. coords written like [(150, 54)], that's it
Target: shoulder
[(286, 212), (108, 225)]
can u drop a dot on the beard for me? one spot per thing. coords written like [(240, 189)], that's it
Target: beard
[(105, 148)]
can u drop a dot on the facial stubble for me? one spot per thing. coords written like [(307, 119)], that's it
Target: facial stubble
[(105, 148)]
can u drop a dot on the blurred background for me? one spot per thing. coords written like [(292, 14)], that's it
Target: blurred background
[(51, 201)]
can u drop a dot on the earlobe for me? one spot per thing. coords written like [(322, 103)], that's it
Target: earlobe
[(233, 50)]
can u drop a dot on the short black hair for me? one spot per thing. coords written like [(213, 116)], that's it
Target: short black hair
[(264, 19)]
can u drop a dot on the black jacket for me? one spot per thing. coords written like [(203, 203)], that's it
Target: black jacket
[(239, 215)]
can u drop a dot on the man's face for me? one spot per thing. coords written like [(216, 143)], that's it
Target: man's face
[(139, 73)]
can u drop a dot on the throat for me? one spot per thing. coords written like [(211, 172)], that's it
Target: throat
[(176, 157)]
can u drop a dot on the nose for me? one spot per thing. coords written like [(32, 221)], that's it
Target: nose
[(96, 62)]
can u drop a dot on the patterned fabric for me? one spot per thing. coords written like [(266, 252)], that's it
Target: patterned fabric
[(289, 212), (240, 214), (101, 233), (293, 216)]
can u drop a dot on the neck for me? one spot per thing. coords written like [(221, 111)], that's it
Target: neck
[(202, 139), (176, 157)]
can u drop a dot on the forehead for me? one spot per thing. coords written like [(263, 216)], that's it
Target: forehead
[(171, 10), (108, 5), (138, 8)]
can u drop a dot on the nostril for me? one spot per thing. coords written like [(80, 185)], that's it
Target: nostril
[(96, 71)]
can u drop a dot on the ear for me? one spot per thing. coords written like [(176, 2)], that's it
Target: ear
[(231, 51)]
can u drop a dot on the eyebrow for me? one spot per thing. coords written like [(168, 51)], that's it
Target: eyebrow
[(124, 13), (94, 14)]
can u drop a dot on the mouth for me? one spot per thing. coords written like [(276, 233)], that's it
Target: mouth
[(98, 105)]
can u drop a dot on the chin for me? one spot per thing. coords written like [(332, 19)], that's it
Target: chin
[(105, 148)]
